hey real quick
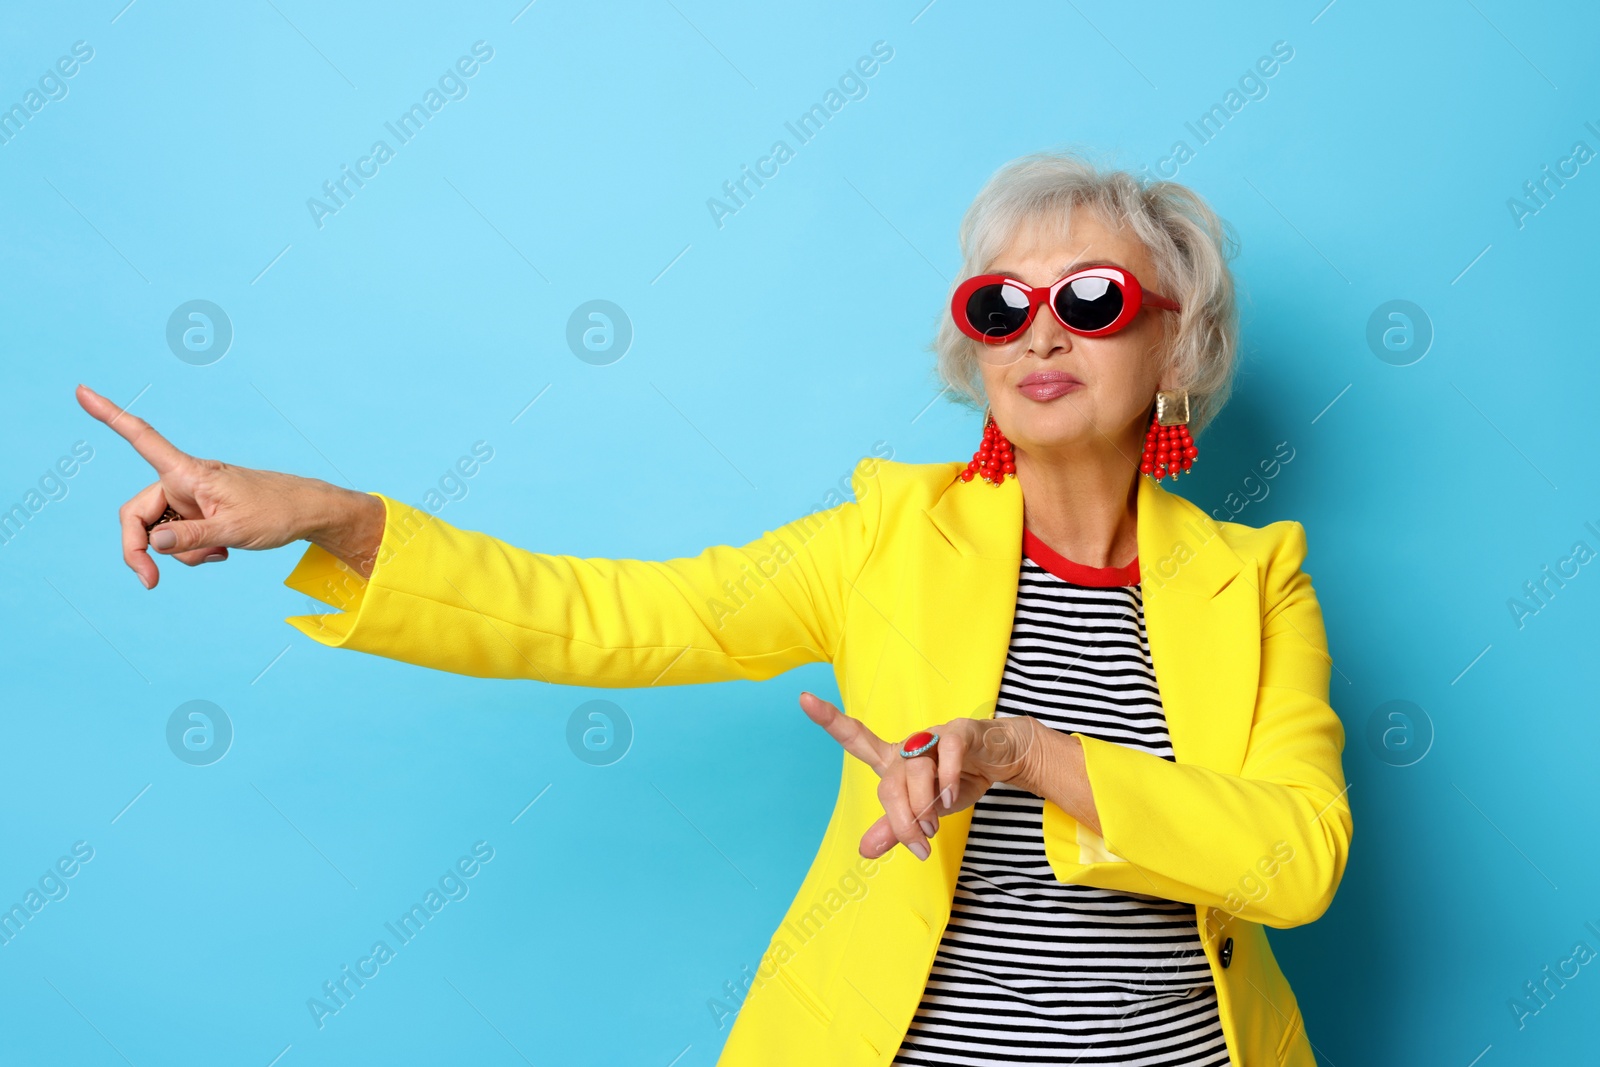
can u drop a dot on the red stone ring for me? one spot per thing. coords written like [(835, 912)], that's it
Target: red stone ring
[(918, 744)]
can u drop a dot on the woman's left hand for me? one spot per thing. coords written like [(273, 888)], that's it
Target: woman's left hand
[(972, 755)]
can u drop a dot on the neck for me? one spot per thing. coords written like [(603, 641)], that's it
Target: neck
[(1084, 507)]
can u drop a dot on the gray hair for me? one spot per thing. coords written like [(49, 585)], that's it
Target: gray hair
[(1188, 243)]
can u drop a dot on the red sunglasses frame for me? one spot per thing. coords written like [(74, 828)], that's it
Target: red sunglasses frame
[(1134, 297)]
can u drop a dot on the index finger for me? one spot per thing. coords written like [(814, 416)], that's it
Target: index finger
[(857, 740), (160, 453)]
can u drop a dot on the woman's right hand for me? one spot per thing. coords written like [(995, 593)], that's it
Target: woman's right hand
[(971, 756), (230, 507)]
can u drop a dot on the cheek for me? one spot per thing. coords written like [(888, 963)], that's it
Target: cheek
[(1132, 366), (1124, 380), (994, 380)]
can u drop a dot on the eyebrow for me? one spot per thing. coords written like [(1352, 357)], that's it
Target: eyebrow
[(1064, 271)]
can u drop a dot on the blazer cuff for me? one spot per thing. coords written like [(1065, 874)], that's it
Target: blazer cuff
[(1119, 779), (323, 576), (1070, 846)]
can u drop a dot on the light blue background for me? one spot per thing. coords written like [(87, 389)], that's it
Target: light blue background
[(769, 355)]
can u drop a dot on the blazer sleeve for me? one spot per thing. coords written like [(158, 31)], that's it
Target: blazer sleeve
[(466, 602), (1268, 844)]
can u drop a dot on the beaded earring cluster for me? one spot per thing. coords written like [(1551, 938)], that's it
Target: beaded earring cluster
[(993, 459), (1168, 447)]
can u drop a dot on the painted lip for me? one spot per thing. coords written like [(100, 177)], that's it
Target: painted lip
[(1047, 385)]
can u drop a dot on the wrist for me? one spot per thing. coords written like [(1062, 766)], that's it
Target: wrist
[(1054, 768), (1007, 748), (1041, 752), (346, 523), (1031, 743)]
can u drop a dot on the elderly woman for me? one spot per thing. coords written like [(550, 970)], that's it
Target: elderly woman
[(1096, 719)]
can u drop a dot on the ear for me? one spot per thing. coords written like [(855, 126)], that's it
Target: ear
[(1167, 380)]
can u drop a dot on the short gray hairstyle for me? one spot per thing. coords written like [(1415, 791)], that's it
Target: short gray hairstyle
[(1188, 243)]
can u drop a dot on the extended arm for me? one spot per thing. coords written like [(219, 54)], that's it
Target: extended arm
[(466, 602), (413, 587)]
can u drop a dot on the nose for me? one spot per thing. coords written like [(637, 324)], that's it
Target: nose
[(1046, 335)]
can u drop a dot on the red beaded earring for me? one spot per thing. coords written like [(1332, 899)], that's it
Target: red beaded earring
[(993, 459), (1168, 448)]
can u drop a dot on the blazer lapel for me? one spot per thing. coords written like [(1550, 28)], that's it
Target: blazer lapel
[(1201, 605), (1202, 614)]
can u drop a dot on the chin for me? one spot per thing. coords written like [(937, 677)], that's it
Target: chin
[(1051, 425)]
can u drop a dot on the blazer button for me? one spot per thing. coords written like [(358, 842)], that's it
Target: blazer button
[(1225, 957)]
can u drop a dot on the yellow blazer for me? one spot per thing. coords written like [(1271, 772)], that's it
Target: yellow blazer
[(910, 591)]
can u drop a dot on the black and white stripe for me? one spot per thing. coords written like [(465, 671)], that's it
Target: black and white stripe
[(1034, 971)]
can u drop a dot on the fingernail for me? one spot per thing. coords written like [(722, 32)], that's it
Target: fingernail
[(163, 538), (215, 557), (948, 796), (143, 581), (919, 850), (927, 826)]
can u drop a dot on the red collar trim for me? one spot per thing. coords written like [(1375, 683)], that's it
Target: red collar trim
[(1077, 573)]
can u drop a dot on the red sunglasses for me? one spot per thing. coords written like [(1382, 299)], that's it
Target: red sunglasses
[(1091, 302)]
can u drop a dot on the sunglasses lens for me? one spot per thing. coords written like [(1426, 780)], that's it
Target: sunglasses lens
[(997, 311), (1089, 303)]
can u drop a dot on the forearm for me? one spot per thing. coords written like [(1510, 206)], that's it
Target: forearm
[(1054, 769), (457, 600)]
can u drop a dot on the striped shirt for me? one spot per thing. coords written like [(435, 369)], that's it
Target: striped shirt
[(1031, 970)]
